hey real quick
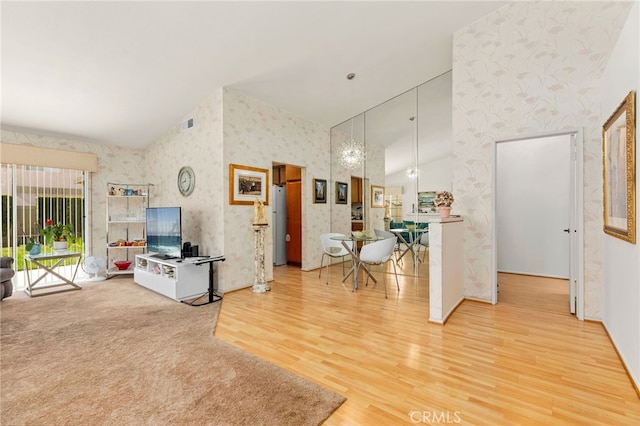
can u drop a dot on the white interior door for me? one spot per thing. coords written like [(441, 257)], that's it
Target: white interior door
[(537, 210), (532, 206)]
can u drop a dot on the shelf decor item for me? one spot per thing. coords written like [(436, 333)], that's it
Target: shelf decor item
[(443, 201), (619, 171), (248, 183)]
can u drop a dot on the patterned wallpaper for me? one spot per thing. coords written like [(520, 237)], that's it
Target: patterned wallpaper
[(199, 147), (115, 164), (529, 68), (257, 134)]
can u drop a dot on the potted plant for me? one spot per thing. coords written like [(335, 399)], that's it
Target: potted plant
[(443, 201), (59, 235)]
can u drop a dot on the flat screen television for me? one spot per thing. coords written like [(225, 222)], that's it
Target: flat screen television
[(164, 231)]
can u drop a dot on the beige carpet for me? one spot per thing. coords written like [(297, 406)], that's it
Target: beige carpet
[(117, 354)]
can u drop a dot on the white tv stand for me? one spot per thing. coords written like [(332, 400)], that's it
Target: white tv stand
[(178, 279)]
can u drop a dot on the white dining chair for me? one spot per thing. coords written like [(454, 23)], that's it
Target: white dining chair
[(380, 233), (424, 243), (379, 253), (333, 249)]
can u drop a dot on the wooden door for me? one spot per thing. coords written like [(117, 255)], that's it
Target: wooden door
[(294, 222), (356, 190)]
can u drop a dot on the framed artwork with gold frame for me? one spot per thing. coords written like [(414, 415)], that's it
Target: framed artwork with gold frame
[(619, 171), (246, 184), (377, 196)]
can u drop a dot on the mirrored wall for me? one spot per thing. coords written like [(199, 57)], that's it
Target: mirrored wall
[(401, 148)]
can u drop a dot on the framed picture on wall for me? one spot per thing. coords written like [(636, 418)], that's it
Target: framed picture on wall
[(618, 155), (246, 184), (341, 192), (377, 196), (319, 190)]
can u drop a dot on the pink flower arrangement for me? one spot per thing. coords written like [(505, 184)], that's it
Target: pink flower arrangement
[(443, 199)]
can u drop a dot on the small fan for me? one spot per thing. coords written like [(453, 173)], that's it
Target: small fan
[(95, 266)]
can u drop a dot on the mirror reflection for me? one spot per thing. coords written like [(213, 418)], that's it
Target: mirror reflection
[(407, 143)]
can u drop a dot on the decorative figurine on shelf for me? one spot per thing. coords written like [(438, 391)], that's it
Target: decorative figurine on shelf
[(260, 218), (121, 191), (112, 191)]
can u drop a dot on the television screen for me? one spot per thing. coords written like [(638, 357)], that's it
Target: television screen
[(164, 231)]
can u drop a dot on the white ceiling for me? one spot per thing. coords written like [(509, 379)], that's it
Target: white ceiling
[(123, 73)]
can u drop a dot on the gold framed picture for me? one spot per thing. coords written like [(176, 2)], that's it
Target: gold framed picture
[(246, 184), (619, 171), (377, 196)]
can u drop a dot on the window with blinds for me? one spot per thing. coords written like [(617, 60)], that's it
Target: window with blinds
[(32, 195)]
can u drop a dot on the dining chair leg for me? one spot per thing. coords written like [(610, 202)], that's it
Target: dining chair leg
[(321, 260), (384, 283), (395, 272)]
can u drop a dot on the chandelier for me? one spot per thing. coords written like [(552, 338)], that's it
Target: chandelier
[(413, 173), (351, 154)]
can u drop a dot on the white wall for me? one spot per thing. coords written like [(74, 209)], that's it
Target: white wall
[(621, 260), (533, 180), (529, 68)]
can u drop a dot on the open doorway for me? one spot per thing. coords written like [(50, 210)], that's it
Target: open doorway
[(538, 227), (286, 195)]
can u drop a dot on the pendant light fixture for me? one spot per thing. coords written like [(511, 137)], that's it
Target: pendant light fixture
[(413, 172), (351, 152)]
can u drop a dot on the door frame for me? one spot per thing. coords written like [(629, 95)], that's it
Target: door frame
[(576, 280)]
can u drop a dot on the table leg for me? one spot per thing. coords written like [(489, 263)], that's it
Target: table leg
[(405, 250), (49, 270), (356, 266)]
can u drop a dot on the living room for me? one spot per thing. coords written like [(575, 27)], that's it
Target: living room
[(505, 74)]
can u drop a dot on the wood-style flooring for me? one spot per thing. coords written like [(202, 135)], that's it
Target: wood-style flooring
[(523, 361)]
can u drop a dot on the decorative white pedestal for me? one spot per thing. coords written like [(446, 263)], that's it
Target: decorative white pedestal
[(259, 286)]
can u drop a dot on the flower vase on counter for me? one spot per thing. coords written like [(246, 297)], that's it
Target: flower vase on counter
[(443, 201), (444, 212)]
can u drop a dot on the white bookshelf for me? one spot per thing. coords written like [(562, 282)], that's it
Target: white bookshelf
[(126, 223)]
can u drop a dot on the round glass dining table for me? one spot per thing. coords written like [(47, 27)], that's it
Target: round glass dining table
[(353, 250)]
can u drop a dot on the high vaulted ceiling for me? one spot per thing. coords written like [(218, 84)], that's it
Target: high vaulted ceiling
[(123, 73)]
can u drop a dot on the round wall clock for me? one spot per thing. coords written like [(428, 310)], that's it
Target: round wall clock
[(186, 180)]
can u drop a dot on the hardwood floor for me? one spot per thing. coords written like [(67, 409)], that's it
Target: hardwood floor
[(508, 364)]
